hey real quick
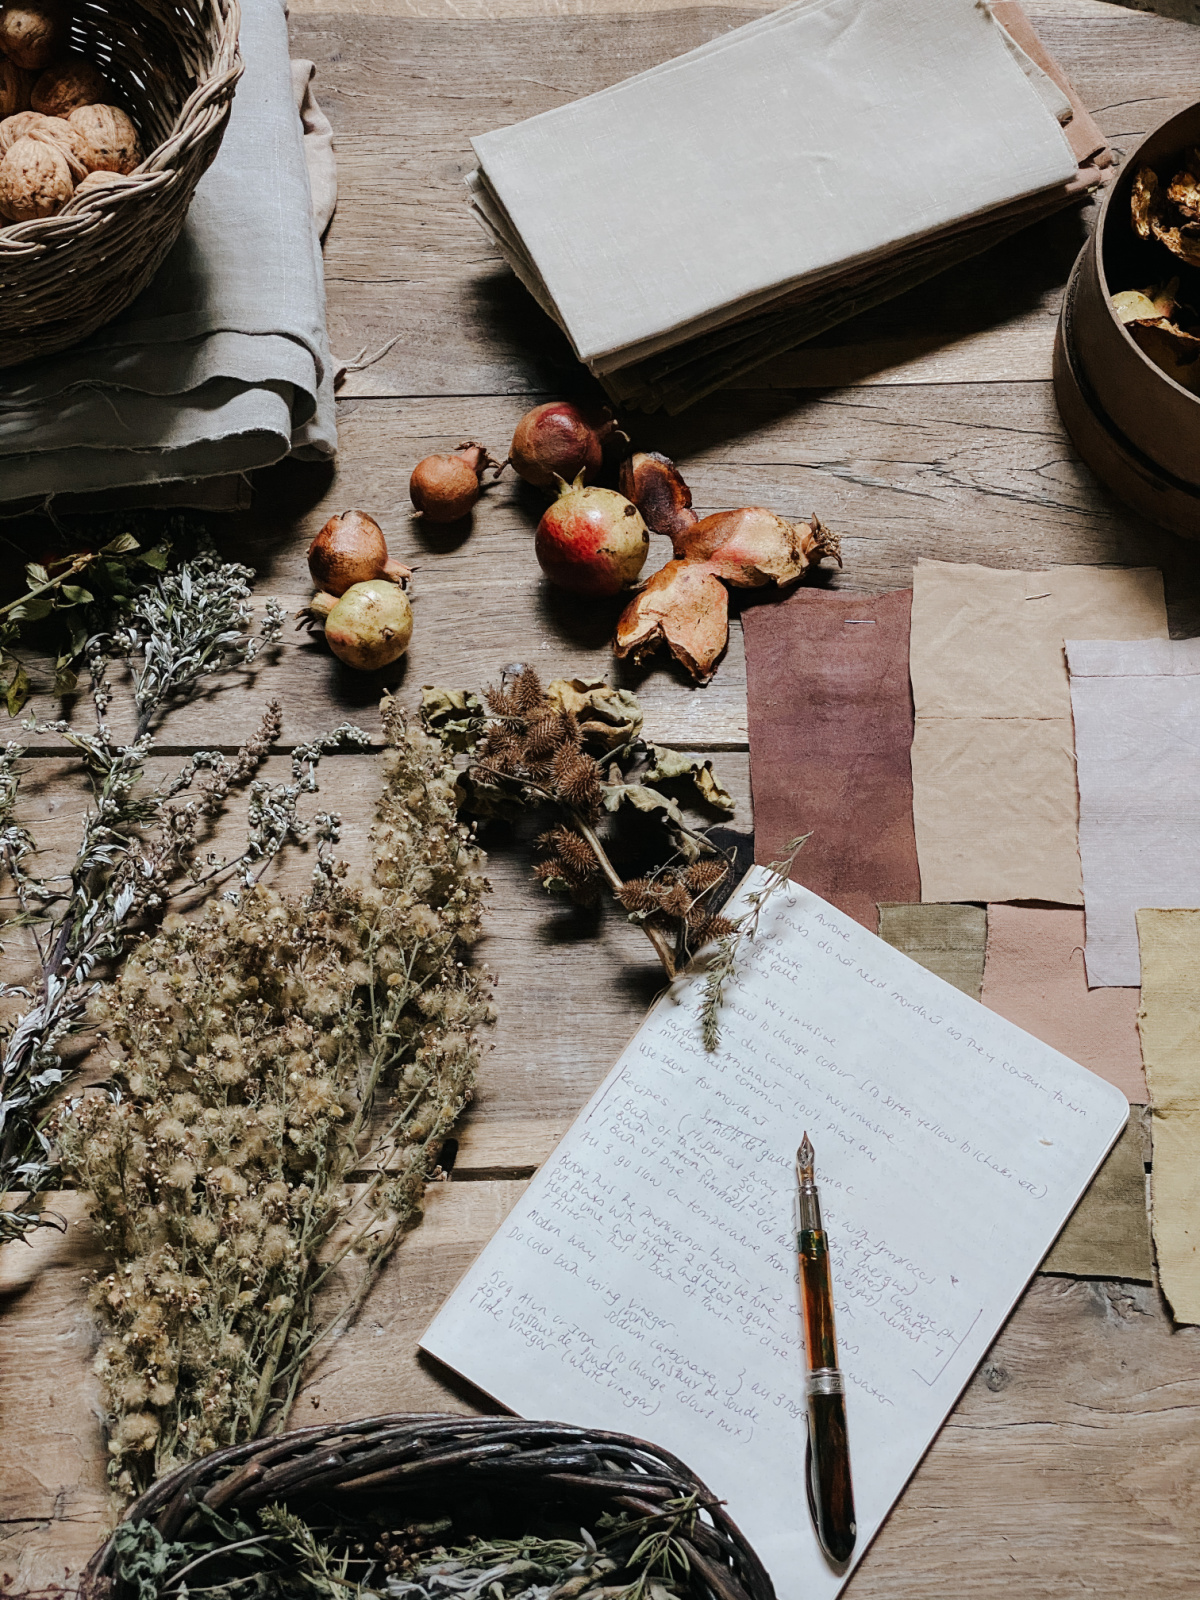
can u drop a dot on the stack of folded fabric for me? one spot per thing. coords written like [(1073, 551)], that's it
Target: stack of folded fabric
[(222, 364), (687, 224)]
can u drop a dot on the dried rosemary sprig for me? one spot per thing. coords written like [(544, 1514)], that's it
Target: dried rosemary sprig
[(271, 1048), (723, 962), (277, 1554), (575, 746)]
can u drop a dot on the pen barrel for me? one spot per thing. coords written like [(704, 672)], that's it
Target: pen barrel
[(816, 1299), (832, 1495)]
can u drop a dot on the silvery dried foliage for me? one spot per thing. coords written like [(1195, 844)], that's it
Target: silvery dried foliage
[(269, 1048), (137, 844)]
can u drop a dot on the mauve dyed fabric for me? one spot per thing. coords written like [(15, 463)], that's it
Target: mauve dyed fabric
[(831, 727)]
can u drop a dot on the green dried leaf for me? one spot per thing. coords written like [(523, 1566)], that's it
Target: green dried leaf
[(640, 798), (72, 595), (66, 680), (32, 610), (17, 691), (455, 716), (36, 574), (674, 764), (156, 558), (120, 546), (607, 717)]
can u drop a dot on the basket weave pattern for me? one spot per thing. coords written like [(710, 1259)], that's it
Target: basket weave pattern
[(452, 1458), (174, 65)]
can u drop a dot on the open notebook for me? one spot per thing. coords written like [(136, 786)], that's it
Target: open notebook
[(647, 1282), (688, 223)]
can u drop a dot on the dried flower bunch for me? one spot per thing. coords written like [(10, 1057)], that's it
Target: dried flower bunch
[(134, 845), (269, 1049), (575, 746)]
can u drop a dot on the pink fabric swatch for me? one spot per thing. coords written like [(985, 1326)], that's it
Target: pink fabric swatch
[(1033, 974)]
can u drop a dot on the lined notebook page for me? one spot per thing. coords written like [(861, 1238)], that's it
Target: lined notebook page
[(828, 132), (647, 1279)]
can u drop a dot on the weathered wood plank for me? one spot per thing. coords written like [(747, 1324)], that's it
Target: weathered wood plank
[(1073, 1451)]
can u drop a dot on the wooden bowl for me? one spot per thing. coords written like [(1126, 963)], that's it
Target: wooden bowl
[(1136, 428)]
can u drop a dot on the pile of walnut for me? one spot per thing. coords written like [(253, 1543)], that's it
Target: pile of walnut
[(59, 133)]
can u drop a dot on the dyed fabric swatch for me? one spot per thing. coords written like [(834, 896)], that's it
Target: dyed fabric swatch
[(993, 757), (946, 939), (831, 724)]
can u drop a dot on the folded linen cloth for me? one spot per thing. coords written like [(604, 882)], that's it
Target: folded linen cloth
[(222, 364), (808, 164)]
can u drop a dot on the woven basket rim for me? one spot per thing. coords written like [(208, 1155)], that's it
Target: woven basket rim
[(40, 233), (407, 1450)]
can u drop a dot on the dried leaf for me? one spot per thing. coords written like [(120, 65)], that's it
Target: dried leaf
[(17, 691), (455, 716), (655, 485), (685, 607), (674, 764), (607, 717), (640, 798), (1183, 191), (1143, 200)]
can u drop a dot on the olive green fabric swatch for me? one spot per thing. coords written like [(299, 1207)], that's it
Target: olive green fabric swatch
[(947, 940), (1108, 1235)]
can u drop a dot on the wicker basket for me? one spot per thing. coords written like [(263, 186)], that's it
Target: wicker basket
[(413, 1461), (174, 64)]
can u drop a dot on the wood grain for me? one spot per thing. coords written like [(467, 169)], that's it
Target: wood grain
[(926, 428)]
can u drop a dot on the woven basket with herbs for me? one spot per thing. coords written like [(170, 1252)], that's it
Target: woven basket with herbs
[(422, 1507), (173, 66)]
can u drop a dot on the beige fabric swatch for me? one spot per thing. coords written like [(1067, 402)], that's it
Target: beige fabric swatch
[(1170, 1026), (994, 799), (947, 940), (1034, 975), (1108, 1235)]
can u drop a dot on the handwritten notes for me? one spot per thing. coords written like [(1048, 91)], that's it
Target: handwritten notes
[(647, 1280)]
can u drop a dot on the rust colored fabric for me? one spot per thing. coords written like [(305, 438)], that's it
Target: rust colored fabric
[(831, 727)]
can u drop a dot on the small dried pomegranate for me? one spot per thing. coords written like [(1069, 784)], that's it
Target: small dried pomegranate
[(558, 440), (444, 488), (591, 541), (351, 549), (370, 626)]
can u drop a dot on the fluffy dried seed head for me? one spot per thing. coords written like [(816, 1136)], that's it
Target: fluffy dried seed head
[(577, 781), (528, 692)]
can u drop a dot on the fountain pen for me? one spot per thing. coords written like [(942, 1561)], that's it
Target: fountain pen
[(830, 1494)]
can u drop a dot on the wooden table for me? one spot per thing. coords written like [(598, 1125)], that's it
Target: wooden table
[(1072, 1463)]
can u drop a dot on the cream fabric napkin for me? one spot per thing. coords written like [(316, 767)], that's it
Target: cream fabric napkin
[(831, 137), (1137, 740), (222, 364), (993, 762), (1170, 1027)]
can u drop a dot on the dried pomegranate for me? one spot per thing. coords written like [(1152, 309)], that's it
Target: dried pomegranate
[(558, 440), (445, 487), (351, 549), (592, 541)]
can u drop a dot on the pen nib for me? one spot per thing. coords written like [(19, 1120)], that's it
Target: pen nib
[(804, 1161)]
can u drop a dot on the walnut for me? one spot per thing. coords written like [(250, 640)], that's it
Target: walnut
[(81, 158), (14, 128), (33, 33), (102, 180), (111, 135), (72, 83), (15, 84), (35, 180)]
